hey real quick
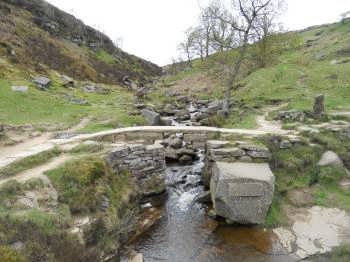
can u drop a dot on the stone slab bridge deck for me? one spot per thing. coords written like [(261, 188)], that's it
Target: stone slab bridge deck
[(147, 133)]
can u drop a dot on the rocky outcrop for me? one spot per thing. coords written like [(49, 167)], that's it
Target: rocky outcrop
[(242, 192), (146, 163), (152, 118)]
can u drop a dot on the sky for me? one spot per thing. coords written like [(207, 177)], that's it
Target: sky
[(152, 29)]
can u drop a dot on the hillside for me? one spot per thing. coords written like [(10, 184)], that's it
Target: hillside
[(37, 39), (301, 65), (36, 35)]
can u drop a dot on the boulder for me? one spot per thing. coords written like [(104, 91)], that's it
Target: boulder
[(291, 116), (242, 192), (152, 118), (214, 107), (20, 88), (67, 81), (175, 142), (183, 115), (169, 110), (165, 121), (330, 158), (319, 107), (43, 83)]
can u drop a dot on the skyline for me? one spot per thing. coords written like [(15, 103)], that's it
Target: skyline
[(137, 22)]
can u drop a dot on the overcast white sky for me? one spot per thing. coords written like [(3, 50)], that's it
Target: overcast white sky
[(152, 29)]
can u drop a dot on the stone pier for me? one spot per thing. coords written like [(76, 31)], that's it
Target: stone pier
[(145, 162), (241, 181)]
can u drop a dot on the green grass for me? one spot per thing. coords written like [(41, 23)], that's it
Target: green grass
[(296, 74), (104, 56), (29, 162), (82, 184), (41, 108), (275, 216), (87, 148)]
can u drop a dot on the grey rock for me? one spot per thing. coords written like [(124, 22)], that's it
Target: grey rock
[(152, 118), (292, 116), (20, 88), (95, 89), (175, 142), (165, 121), (319, 107), (216, 144), (169, 110), (242, 192), (285, 144), (67, 81), (183, 115), (330, 158), (43, 83)]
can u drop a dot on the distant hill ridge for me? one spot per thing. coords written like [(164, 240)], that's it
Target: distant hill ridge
[(35, 32)]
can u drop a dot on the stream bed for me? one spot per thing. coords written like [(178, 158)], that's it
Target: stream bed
[(185, 233)]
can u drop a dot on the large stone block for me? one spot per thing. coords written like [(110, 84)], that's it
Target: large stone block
[(152, 118), (242, 192)]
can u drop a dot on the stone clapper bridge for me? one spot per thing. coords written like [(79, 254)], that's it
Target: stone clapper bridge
[(234, 166)]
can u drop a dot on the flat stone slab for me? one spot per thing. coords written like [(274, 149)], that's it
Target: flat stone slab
[(242, 192), (315, 231), (246, 171)]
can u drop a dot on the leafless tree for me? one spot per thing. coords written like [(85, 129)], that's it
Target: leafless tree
[(238, 27), (188, 45)]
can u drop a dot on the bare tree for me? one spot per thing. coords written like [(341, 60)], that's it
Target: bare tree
[(238, 27), (188, 45)]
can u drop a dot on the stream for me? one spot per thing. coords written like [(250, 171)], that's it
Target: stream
[(185, 233)]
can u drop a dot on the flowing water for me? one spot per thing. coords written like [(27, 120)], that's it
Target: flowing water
[(185, 233)]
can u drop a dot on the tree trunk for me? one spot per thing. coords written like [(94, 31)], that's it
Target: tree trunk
[(234, 74)]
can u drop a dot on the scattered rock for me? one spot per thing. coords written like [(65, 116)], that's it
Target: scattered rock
[(175, 142), (291, 116), (330, 158), (67, 81), (43, 83), (95, 89), (152, 118), (20, 88), (183, 115), (301, 198)]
